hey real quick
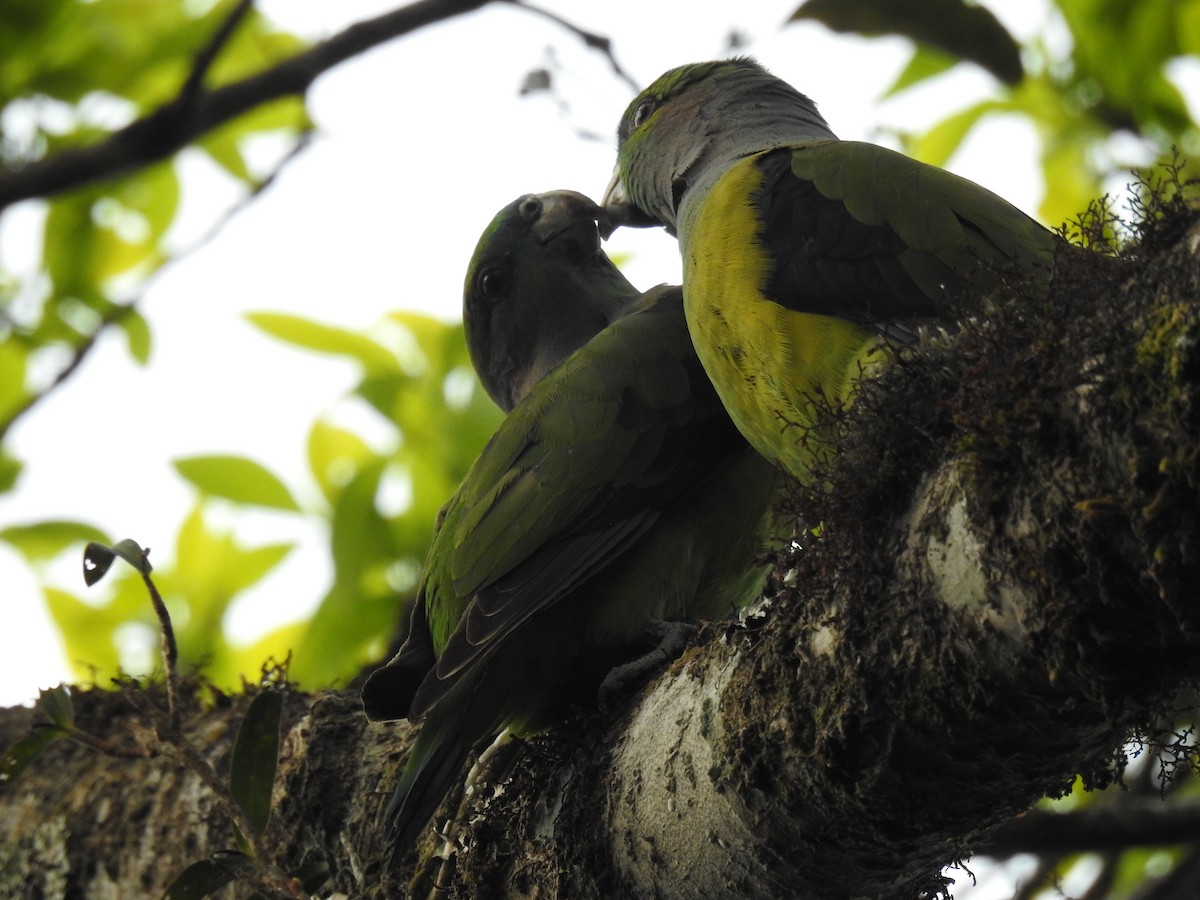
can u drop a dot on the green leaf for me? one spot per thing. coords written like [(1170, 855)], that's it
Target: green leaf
[(237, 478), (964, 30), (253, 47), (69, 239), (45, 540), (334, 455), (938, 144), (277, 644), (13, 359), (153, 193), (224, 148), (129, 219), (56, 704), (325, 339), (14, 763), (87, 632), (1187, 27), (1074, 182), (98, 557), (134, 554), (10, 471), (361, 604), (925, 63), (137, 336), (255, 756), (211, 569), (426, 349), (286, 116), (312, 875), (206, 877)]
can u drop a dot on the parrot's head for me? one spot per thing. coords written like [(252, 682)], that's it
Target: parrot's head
[(538, 288), (690, 126)]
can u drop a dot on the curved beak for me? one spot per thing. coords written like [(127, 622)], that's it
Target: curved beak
[(564, 221), (619, 209)]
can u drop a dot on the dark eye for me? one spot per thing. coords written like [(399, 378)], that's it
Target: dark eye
[(494, 283), (643, 111)]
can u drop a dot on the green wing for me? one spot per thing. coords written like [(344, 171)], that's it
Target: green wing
[(868, 234), (576, 475)]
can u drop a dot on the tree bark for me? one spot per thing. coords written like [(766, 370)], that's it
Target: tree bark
[(999, 595)]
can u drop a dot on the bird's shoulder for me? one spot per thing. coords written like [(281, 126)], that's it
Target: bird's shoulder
[(862, 232), (618, 431)]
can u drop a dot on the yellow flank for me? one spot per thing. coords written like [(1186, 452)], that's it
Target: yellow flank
[(773, 367)]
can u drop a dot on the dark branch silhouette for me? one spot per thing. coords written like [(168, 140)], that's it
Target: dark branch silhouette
[(118, 312), (197, 110), (1136, 822)]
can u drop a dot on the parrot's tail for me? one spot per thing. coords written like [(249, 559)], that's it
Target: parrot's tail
[(432, 769)]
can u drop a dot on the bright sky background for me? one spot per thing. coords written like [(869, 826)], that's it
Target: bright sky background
[(420, 142)]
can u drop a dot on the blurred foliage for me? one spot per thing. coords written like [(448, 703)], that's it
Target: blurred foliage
[(1098, 89), (961, 31), (71, 72), (378, 506)]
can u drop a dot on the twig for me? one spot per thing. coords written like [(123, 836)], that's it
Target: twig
[(444, 877), (106, 747), (1033, 885), (208, 54), (189, 758), (110, 317), (162, 132), (170, 651), (1120, 825), (593, 40), (115, 314)]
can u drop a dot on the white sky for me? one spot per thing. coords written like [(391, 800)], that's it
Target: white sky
[(420, 143)]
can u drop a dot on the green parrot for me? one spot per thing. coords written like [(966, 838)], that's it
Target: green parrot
[(538, 249), (616, 498), (803, 255)]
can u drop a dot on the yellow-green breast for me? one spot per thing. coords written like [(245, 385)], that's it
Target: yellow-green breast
[(768, 363)]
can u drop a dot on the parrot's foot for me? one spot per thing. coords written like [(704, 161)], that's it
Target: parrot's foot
[(671, 638)]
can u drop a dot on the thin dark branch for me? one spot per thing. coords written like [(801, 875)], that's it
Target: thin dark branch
[(170, 650), (196, 111), (115, 314), (595, 41), (183, 753), (1034, 884), (100, 745), (110, 317), (208, 55), (1132, 823), (161, 133)]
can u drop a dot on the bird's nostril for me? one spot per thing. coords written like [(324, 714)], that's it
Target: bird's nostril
[(531, 208)]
